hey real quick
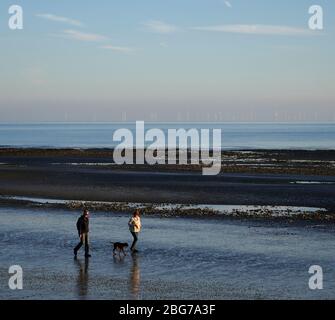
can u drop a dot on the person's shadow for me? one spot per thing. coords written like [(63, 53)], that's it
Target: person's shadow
[(82, 280), (135, 277)]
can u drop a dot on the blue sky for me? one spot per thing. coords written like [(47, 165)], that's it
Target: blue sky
[(167, 60)]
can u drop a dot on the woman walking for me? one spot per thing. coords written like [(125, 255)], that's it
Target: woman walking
[(135, 228)]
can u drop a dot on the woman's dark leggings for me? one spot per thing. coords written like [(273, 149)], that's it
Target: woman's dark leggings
[(135, 236)]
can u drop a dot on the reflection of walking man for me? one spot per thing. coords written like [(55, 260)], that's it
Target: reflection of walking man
[(82, 282), (83, 229), (135, 228)]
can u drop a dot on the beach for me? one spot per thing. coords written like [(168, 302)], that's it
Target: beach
[(263, 178), (251, 232), (179, 258), (206, 129)]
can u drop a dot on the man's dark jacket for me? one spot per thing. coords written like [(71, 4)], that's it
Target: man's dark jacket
[(82, 225)]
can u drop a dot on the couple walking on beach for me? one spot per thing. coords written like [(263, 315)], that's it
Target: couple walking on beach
[(83, 222)]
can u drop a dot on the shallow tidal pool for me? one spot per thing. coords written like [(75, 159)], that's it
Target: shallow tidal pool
[(179, 258)]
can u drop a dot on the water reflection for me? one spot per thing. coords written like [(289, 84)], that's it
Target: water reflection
[(135, 277), (82, 280), (118, 259)]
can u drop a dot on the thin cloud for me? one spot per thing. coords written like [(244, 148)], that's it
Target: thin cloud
[(125, 50), (52, 17), (83, 36), (161, 27), (227, 3), (257, 30)]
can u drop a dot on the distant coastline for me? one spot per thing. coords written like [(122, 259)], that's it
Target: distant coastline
[(236, 136)]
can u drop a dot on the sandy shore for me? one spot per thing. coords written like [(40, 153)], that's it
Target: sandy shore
[(210, 258), (242, 258), (308, 162), (281, 178)]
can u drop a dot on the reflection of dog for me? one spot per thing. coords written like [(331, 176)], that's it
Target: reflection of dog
[(119, 246)]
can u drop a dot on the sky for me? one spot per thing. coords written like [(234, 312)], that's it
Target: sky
[(167, 60)]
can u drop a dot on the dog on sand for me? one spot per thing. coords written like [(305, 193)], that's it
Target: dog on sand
[(119, 246)]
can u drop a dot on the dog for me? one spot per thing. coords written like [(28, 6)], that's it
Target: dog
[(119, 246)]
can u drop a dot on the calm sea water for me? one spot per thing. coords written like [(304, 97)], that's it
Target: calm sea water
[(179, 258), (235, 135)]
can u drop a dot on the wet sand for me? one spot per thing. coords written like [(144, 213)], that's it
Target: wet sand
[(301, 162), (283, 178), (180, 258), (130, 186)]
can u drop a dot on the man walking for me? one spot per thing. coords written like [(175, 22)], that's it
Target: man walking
[(83, 229)]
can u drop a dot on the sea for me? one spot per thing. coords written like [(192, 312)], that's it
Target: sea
[(235, 136), (179, 258)]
